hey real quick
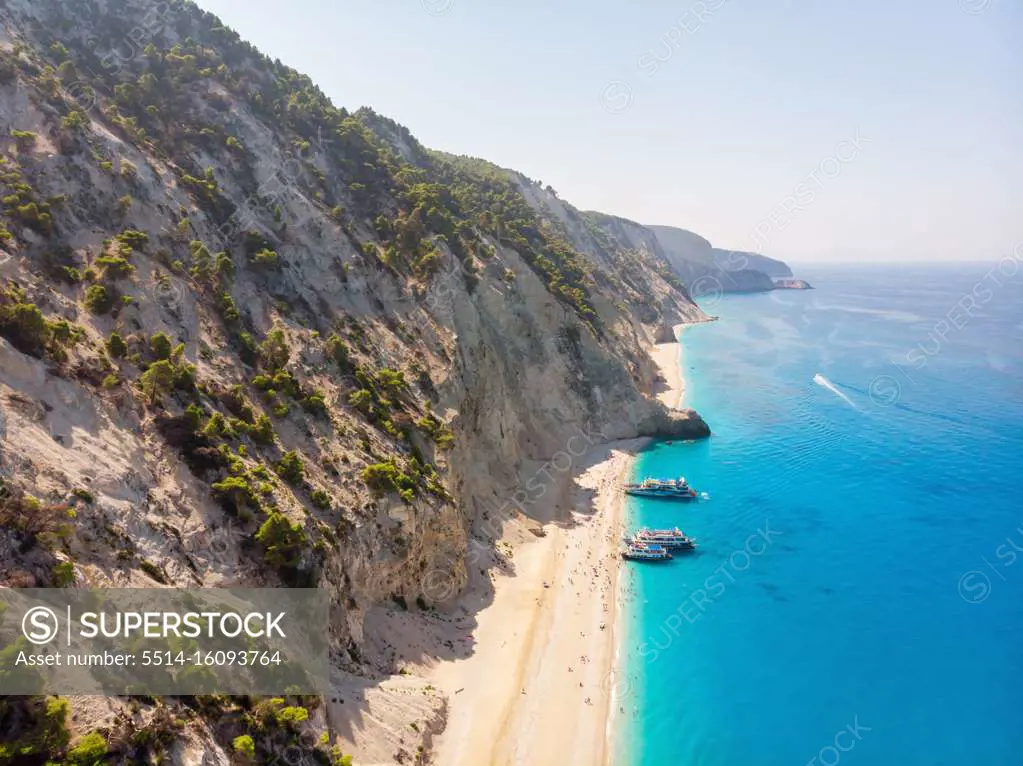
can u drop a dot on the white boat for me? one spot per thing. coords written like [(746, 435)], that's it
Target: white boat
[(673, 489), (666, 538), (645, 552)]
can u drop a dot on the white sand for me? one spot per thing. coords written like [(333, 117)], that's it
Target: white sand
[(537, 687), (667, 357)]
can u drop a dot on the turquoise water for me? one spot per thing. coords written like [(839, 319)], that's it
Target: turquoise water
[(857, 569)]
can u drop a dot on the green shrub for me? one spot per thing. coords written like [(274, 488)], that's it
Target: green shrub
[(25, 139), (75, 121), (262, 432), (235, 494), (83, 494), (34, 215), (315, 402), (388, 477), (98, 299), (320, 499), (362, 400), (133, 238), (153, 571), (228, 308), (292, 715), (218, 427), (158, 380), (338, 349), (436, 430), (274, 351), (392, 381), (89, 751), (63, 574), (115, 266), (285, 382), (236, 403), (184, 377), (24, 326), (290, 468), (160, 345), (62, 333), (224, 266), (41, 733), (244, 746), (282, 540), (260, 472), (265, 257), (247, 347), (70, 274)]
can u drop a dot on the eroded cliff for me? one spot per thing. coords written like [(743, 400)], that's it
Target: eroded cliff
[(249, 338)]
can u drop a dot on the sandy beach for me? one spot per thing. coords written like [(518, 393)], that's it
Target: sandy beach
[(667, 358), (538, 687)]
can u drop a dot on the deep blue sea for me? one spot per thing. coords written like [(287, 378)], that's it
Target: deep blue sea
[(857, 594)]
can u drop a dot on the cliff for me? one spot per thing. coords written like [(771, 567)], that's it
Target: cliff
[(771, 266), (692, 247), (247, 337), (706, 270)]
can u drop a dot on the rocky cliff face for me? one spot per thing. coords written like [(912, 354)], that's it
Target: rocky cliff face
[(250, 338), (706, 270), (738, 260), (740, 271)]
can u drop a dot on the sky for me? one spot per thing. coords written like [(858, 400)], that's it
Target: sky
[(880, 130)]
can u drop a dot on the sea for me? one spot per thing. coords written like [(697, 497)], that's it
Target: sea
[(857, 592)]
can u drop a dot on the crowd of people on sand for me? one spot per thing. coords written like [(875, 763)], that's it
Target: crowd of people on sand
[(592, 572), (597, 567)]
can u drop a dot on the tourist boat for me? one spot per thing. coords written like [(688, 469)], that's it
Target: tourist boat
[(674, 539), (644, 552), (674, 489)]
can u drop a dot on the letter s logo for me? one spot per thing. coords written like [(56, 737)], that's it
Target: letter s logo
[(40, 625)]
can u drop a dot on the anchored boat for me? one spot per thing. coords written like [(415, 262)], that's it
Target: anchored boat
[(674, 539), (672, 489), (636, 551)]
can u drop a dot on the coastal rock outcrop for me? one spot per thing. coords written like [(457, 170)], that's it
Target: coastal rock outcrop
[(792, 284), (679, 424)]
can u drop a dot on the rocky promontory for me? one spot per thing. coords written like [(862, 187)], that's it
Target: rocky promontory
[(792, 284)]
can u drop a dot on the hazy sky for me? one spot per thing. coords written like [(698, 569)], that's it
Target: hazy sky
[(813, 131)]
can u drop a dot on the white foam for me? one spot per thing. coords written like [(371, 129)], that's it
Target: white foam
[(895, 314), (820, 380)]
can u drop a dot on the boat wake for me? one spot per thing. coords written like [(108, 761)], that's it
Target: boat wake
[(820, 380)]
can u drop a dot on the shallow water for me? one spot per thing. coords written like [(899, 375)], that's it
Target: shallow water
[(857, 569)]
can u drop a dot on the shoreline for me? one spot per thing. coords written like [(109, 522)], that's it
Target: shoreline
[(667, 357), (540, 684)]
